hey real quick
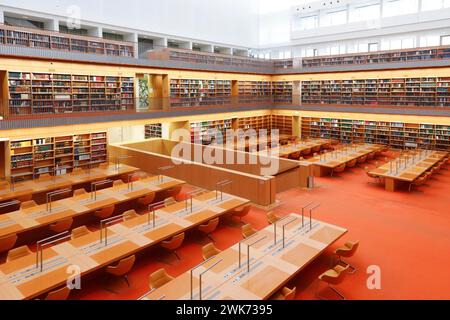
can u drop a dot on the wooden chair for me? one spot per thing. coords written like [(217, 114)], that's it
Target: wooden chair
[(371, 156), (77, 170), (80, 232), (316, 149), (240, 212), (331, 277), (79, 192), (148, 199), (295, 155), (104, 166), (272, 217), (60, 294), (209, 251), (45, 176), (209, 228), (285, 294), (351, 164), (371, 175), (418, 182), (18, 253), (362, 159), (130, 214), (28, 204), (159, 278), (338, 169), (61, 225), (347, 251), (169, 201), (306, 152), (105, 212), (172, 192), (117, 183), (247, 231), (126, 177), (4, 184), (173, 244), (7, 243), (122, 268)]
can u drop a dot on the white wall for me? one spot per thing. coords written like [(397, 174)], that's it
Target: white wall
[(231, 22)]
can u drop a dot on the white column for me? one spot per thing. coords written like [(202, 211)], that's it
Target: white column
[(52, 25), (2, 16), (133, 37), (186, 45), (158, 43), (226, 51)]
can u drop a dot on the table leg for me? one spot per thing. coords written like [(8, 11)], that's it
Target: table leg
[(390, 184)]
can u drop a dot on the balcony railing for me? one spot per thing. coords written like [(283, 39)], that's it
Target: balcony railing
[(43, 39)]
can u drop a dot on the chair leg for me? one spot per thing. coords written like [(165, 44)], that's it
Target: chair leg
[(176, 255), (127, 280), (352, 268), (211, 237), (337, 292)]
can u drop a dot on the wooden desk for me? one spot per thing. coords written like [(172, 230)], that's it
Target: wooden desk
[(256, 142), (271, 266), (408, 168), (45, 185), (38, 217), (323, 164), (286, 150), (20, 279)]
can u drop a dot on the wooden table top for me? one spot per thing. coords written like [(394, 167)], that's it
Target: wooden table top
[(271, 266), (38, 217), (20, 279), (286, 150), (410, 167), (338, 157), (45, 185)]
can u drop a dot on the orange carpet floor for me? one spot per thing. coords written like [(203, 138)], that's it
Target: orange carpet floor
[(406, 234)]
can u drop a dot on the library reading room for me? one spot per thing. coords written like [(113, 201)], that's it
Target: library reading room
[(224, 150)]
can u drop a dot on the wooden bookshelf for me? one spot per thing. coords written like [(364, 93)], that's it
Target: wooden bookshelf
[(282, 91), (425, 91), (153, 130), (399, 56), (42, 39), (268, 122), (205, 130), (43, 93), (30, 158), (398, 135), (184, 91), (255, 88)]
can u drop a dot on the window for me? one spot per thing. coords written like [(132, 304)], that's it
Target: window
[(334, 18), (393, 8), (369, 12), (429, 41), (324, 51), (408, 43), (315, 52), (446, 3), (431, 5), (287, 54), (267, 56), (445, 40), (306, 23), (396, 44), (373, 47), (363, 47)]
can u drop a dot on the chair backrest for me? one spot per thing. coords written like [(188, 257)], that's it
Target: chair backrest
[(148, 199), (210, 226), (105, 212), (123, 267), (351, 163), (173, 192), (130, 214), (79, 232), (169, 201), (60, 294), (173, 243), (209, 251), (335, 275), (61, 225), (18, 253), (79, 192), (306, 151), (243, 211), (349, 249), (247, 230), (28, 204), (159, 278), (117, 183), (25, 198), (272, 217), (8, 242), (340, 168)]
